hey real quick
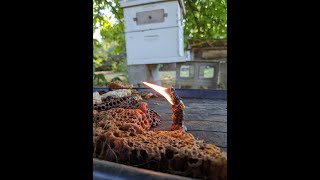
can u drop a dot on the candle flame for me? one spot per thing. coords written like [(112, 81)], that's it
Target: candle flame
[(162, 90)]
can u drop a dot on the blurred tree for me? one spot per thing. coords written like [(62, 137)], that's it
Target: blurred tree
[(206, 19), (105, 58), (101, 22)]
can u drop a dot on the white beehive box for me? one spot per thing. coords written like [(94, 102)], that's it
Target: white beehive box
[(154, 31)]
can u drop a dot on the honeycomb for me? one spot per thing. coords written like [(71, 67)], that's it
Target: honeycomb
[(124, 119), (147, 95), (128, 102), (96, 98), (119, 85), (154, 117), (101, 92), (134, 91), (122, 136), (117, 93), (109, 102), (137, 97)]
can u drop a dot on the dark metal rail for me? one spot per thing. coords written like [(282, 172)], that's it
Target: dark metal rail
[(185, 93), (105, 170)]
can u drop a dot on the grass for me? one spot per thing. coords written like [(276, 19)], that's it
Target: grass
[(208, 73), (168, 78), (184, 73)]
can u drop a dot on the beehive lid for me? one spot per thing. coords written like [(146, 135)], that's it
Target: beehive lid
[(128, 3)]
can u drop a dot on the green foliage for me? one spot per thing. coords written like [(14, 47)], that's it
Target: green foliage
[(109, 32), (116, 79), (120, 67), (205, 19), (99, 79), (109, 54), (208, 73), (106, 59)]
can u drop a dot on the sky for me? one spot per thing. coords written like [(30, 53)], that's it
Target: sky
[(106, 12)]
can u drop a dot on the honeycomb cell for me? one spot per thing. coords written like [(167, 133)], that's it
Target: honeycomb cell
[(122, 135)]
